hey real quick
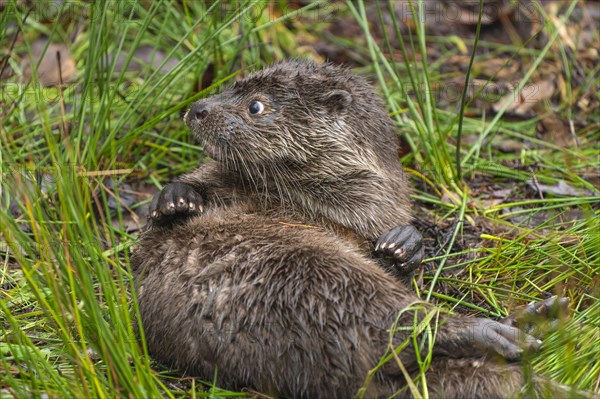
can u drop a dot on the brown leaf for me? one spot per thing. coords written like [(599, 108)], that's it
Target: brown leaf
[(521, 103), (507, 145), (489, 203), (500, 68), (502, 193), (143, 57), (560, 188), (553, 130), (467, 12), (49, 73)]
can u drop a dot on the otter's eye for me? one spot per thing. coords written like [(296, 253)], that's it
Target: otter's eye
[(256, 108)]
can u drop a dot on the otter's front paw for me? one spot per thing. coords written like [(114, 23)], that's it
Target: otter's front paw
[(175, 201), (404, 245)]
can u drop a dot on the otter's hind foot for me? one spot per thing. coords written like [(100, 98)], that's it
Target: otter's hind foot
[(174, 202), (481, 337), (404, 245), (540, 318)]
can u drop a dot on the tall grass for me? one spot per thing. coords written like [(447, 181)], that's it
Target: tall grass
[(526, 259), (67, 310)]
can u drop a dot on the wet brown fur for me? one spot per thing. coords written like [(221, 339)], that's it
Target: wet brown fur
[(318, 159), (248, 290)]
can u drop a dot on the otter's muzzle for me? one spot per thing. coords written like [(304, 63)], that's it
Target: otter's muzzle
[(198, 112)]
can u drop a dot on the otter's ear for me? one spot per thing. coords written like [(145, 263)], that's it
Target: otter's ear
[(337, 101)]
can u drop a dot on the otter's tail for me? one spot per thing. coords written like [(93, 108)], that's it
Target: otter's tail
[(479, 378)]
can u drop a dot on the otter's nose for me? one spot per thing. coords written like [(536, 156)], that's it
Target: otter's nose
[(198, 112)]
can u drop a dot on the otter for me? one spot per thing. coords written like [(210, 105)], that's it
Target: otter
[(254, 265)]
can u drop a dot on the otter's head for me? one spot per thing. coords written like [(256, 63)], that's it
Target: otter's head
[(292, 115), (314, 137)]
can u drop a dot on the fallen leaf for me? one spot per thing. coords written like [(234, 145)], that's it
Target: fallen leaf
[(489, 203), (499, 68), (553, 130), (48, 72), (143, 57), (560, 188), (467, 12), (502, 193), (507, 145), (520, 103), (450, 198)]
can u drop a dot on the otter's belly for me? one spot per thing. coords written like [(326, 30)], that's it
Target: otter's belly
[(268, 305)]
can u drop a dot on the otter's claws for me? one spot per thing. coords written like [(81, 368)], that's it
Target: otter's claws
[(176, 201), (403, 244)]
